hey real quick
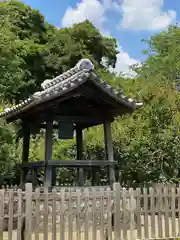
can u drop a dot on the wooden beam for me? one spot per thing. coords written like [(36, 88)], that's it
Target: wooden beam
[(70, 163), (81, 119), (85, 121), (39, 164), (109, 147), (83, 125), (79, 149), (43, 126), (48, 152), (25, 150)]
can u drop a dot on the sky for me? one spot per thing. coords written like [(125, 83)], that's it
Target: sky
[(129, 21)]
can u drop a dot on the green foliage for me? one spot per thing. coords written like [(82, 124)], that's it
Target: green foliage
[(32, 50), (8, 153), (147, 143), (163, 55)]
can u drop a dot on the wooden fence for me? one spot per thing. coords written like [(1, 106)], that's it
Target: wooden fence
[(86, 213)]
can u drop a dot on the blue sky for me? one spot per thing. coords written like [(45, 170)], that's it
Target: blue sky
[(129, 21)]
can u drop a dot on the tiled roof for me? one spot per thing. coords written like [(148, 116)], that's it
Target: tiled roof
[(66, 82)]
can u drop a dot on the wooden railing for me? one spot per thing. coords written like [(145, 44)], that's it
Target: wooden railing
[(95, 213)]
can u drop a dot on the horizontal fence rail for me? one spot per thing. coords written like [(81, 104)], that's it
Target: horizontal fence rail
[(90, 213)]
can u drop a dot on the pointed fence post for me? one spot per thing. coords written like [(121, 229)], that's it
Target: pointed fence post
[(28, 211), (116, 189)]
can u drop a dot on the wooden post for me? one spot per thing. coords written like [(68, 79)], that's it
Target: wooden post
[(48, 152), (25, 151), (34, 177), (53, 176), (109, 149), (116, 188), (95, 176), (79, 148), (93, 169), (28, 212)]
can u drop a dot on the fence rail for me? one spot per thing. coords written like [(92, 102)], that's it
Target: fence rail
[(96, 213)]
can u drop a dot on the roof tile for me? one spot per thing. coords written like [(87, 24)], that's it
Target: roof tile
[(69, 80)]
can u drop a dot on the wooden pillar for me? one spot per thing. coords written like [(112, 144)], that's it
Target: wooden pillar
[(93, 176), (79, 149), (53, 176), (109, 149), (98, 178), (25, 150), (48, 152), (34, 177)]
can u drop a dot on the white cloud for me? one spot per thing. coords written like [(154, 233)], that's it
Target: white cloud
[(92, 10), (124, 63), (95, 11), (134, 14), (145, 15)]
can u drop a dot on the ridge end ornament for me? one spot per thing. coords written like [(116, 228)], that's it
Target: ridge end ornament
[(85, 64)]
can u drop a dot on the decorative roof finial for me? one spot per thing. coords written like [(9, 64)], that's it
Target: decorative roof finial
[(85, 64)]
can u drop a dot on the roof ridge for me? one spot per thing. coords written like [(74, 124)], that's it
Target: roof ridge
[(83, 64), (119, 93), (60, 84)]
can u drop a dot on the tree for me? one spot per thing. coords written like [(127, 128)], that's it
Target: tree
[(163, 55), (146, 144), (35, 50)]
